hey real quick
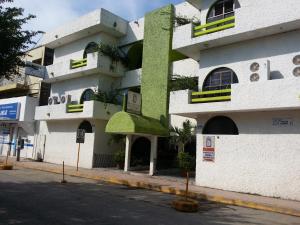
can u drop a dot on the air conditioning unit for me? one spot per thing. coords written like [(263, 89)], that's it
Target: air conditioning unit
[(55, 100), (65, 99), (259, 70), (50, 101)]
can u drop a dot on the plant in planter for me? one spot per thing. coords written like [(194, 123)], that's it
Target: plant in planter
[(180, 82), (186, 163)]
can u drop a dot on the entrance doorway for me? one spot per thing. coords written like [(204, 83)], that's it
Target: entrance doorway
[(140, 154)]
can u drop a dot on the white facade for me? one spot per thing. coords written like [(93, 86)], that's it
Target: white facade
[(264, 157)]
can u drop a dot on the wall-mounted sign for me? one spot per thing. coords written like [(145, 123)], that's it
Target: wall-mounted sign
[(282, 122), (10, 111), (208, 148), (134, 102), (80, 136)]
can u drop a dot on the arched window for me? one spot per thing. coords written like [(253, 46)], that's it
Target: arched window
[(90, 48), (87, 126), (219, 79), (220, 10), (135, 56), (220, 125), (87, 95)]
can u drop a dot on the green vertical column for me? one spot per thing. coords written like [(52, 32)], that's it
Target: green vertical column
[(158, 33)]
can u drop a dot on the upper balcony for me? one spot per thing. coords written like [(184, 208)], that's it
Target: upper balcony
[(258, 96), (87, 110), (94, 63), (97, 21), (248, 20)]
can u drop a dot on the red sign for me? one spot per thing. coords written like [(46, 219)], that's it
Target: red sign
[(208, 148)]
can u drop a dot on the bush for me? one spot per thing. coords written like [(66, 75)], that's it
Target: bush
[(119, 157)]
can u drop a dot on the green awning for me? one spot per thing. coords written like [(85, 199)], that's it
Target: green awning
[(127, 123)]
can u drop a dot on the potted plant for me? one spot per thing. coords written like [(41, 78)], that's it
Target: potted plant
[(119, 158), (6, 166), (186, 163)]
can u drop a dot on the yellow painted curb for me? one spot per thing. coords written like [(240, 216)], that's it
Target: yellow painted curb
[(171, 190)]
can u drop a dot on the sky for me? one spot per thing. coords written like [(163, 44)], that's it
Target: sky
[(53, 13)]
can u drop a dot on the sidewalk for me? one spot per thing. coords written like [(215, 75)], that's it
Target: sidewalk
[(171, 186)]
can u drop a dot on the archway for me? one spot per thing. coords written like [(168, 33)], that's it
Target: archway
[(87, 126), (221, 9), (87, 95), (90, 48), (221, 125), (140, 152), (135, 56)]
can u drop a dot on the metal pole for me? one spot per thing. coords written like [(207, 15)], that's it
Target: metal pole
[(63, 181), (78, 155)]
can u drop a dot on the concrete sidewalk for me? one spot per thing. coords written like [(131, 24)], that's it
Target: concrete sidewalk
[(171, 186)]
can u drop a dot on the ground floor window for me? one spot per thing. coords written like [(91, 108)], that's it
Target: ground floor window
[(87, 126)]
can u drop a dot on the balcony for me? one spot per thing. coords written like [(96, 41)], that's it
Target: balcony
[(260, 96), (87, 110), (214, 26), (94, 63), (249, 22)]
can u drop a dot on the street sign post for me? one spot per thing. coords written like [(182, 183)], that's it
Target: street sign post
[(80, 137)]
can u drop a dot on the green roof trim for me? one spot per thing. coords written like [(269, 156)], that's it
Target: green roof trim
[(127, 123)]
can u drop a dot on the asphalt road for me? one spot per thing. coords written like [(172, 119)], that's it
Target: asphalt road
[(38, 198)]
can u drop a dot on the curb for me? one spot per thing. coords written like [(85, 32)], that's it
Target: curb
[(174, 191)]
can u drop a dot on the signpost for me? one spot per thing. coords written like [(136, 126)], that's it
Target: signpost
[(134, 102), (208, 148), (10, 111), (80, 136)]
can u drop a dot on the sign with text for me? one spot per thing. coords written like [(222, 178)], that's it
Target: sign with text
[(208, 148), (10, 111), (80, 136), (282, 122), (134, 102)]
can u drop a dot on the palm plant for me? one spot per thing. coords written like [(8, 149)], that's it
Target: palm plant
[(181, 136)]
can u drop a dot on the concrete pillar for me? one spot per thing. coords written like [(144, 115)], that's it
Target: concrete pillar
[(153, 155), (127, 153), (14, 139)]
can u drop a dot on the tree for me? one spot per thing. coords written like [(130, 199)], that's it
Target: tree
[(14, 39), (181, 136)]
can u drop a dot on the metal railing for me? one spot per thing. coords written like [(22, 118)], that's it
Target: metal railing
[(78, 63), (214, 26), (72, 108), (211, 96)]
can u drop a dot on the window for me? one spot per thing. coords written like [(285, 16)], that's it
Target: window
[(220, 125), (219, 79), (87, 95), (86, 125), (221, 10), (135, 56), (90, 48)]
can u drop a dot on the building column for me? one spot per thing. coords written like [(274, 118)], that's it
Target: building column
[(153, 155), (14, 140), (128, 152)]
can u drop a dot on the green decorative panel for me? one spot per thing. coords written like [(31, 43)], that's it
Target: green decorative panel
[(157, 50)]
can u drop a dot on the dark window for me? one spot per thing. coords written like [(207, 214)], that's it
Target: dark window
[(49, 55), (135, 56), (219, 79), (86, 125), (44, 93), (221, 10), (87, 95), (220, 125), (90, 48), (37, 61)]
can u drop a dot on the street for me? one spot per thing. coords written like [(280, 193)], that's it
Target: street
[(38, 198)]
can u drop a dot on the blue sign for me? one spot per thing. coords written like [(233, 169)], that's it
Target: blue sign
[(9, 111)]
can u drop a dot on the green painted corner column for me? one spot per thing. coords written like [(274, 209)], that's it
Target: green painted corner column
[(158, 34)]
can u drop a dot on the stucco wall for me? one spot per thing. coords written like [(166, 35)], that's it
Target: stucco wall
[(263, 159), (75, 87), (278, 49)]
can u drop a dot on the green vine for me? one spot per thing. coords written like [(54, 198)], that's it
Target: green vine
[(114, 53)]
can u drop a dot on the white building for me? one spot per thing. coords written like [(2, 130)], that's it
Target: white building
[(248, 105)]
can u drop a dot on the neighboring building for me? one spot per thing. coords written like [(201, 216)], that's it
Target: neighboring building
[(78, 73), (248, 105), (19, 96)]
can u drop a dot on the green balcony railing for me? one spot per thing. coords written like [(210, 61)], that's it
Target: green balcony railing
[(74, 108), (214, 26), (211, 96), (78, 63)]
